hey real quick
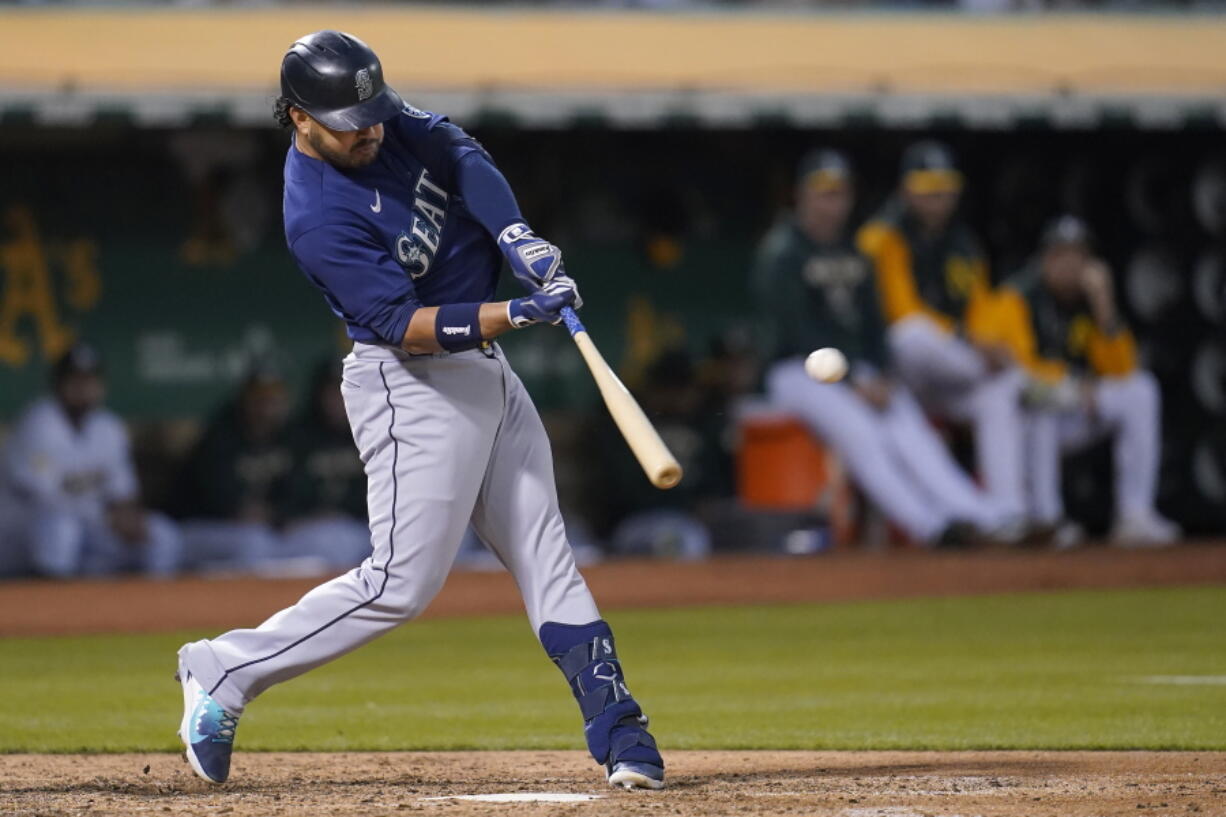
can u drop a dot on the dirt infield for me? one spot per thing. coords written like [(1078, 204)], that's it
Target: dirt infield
[(842, 784), (132, 605)]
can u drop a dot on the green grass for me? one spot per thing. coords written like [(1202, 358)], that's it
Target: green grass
[(1051, 671)]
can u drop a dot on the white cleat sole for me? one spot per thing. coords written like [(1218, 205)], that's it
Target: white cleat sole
[(626, 779)]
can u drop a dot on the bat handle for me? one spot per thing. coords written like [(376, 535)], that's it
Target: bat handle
[(573, 324)]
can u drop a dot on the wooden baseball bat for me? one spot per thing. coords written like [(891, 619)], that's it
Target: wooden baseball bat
[(658, 462)]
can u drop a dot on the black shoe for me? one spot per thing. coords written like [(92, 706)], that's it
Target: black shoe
[(957, 536)]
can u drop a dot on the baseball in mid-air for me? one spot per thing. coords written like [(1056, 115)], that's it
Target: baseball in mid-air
[(827, 365)]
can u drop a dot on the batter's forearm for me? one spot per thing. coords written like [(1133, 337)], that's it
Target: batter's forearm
[(495, 319), (421, 338)]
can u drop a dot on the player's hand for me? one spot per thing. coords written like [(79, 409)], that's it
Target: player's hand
[(128, 522), (875, 391), (534, 261), (996, 356), (561, 281), (1096, 280), (1099, 290), (543, 307)]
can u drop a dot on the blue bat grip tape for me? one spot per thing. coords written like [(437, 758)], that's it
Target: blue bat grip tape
[(571, 320)]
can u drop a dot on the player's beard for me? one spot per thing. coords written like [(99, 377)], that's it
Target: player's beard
[(356, 156)]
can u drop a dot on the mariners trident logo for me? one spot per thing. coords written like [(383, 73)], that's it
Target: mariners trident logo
[(364, 84)]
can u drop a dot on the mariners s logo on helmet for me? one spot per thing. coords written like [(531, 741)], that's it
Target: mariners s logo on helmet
[(364, 84)]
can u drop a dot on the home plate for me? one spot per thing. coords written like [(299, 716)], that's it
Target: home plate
[(522, 797)]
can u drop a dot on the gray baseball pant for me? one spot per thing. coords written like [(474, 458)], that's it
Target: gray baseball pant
[(445, 438)]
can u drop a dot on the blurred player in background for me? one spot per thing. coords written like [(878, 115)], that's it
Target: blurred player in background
[(403, 222), (233, 480), (940, 308), (815, 289), (1061, 316), (669, 523), (73, 499), (324, 500)]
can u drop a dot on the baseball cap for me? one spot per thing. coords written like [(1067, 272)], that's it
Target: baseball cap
[(928, 167), (1066, 229), (824, 169), (81, 358)]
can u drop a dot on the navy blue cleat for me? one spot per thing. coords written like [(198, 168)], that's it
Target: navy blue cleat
[(634, 761), (207, 730), (631, 774)]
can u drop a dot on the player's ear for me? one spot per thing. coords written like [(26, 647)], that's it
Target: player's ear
[(301, 119)]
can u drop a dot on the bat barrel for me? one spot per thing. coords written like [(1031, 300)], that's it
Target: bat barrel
[(658, 463), (666, 476)]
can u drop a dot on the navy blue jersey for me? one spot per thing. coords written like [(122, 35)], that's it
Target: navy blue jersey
[(385, 239)]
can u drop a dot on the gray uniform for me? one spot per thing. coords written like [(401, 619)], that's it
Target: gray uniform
[(445, 438)]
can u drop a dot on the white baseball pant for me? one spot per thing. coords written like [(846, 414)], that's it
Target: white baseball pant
[(1129, 409), (949, 376), (894, 455)]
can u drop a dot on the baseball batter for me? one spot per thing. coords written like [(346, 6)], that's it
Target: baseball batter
[(403, 221)]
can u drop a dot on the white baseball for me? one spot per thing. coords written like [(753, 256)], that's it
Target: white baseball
[(826, 365)]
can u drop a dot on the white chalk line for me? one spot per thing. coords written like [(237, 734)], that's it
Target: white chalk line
[(1183, 680), (894, 811), (522, 797)]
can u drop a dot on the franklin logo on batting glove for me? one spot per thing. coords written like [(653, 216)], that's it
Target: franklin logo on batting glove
[(533, 260)]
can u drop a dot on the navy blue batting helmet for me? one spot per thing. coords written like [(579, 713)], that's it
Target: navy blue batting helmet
[(338, 80)]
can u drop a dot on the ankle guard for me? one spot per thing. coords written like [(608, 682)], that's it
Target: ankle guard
[(613, 723)]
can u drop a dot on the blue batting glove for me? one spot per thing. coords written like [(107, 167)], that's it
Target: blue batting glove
[(543, 307), (561, 281), (534, 261)]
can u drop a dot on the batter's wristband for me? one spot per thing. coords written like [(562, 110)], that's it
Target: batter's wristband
[(458, 326)]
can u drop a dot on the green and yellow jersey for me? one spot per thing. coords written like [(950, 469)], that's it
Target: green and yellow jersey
[(1052, 339), (945, 279), (811, 295)]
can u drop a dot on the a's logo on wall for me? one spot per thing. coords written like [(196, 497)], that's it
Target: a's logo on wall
[(364, 84), (38, 280)]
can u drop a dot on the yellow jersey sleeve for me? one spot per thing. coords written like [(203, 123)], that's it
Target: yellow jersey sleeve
[(1112, 355), (1010, 314), (895, 280), (982, 318)]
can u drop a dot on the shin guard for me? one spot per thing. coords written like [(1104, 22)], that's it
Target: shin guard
[(613, 723)]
